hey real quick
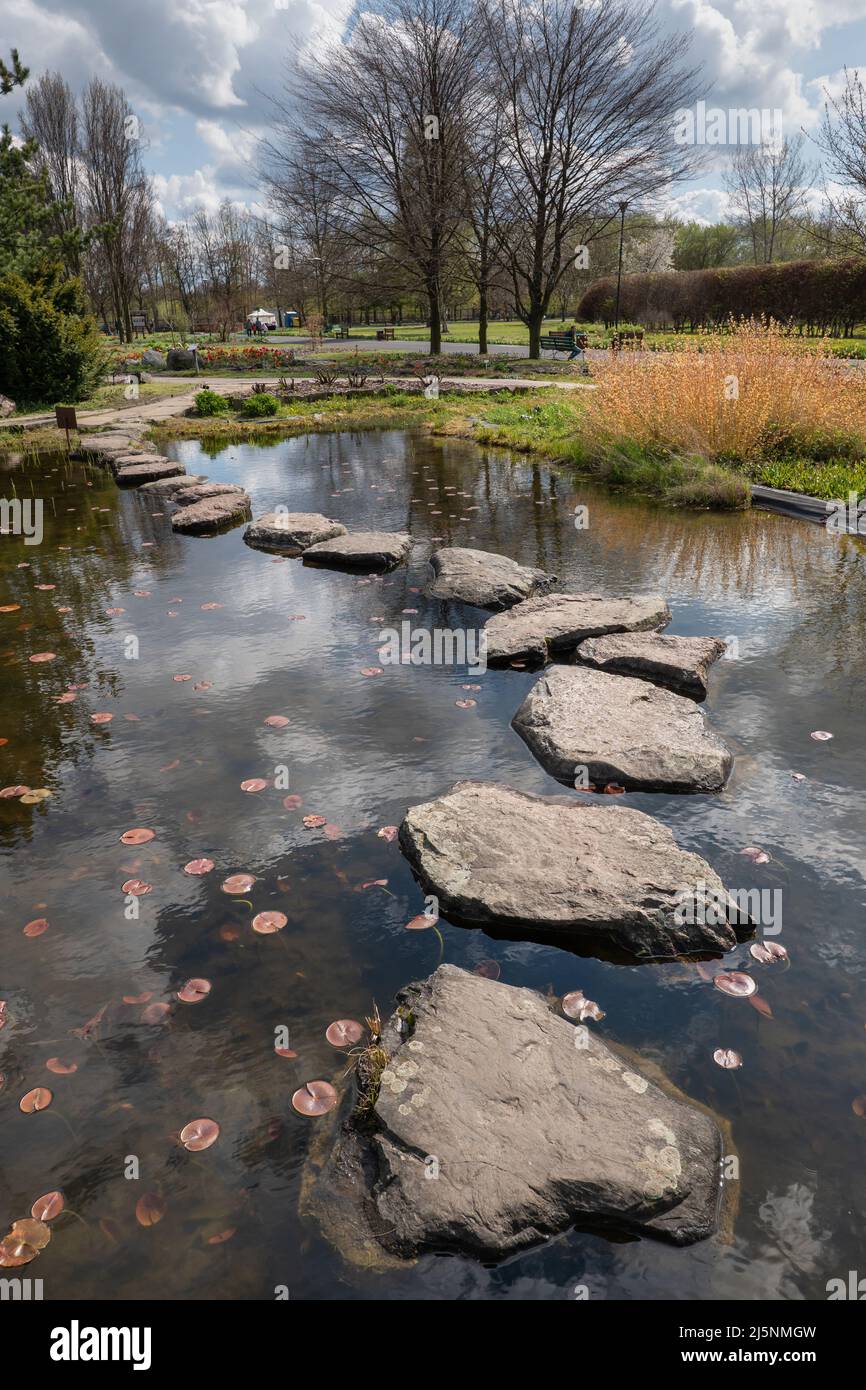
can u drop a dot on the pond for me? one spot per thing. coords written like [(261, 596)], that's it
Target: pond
[(133, 607)]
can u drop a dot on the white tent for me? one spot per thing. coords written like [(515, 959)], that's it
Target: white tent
[(262, 316)]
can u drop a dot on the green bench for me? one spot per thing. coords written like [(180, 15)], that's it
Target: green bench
[(565, 342)]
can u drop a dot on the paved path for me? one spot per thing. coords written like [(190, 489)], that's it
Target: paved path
[(155, 411)]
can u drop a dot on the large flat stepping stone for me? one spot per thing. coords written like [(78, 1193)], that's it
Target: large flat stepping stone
[(102, 448), (292, 530), (582, 723), (564, 868), (146, 470), (484, 578), (170, 487), (681, 664), (363, 550), (197, 492), (499, 1123), (551, 624), (212, 514)]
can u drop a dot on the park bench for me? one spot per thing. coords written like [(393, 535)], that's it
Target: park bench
[(564, 342), (630, 340), (385, 335), (339, 330)]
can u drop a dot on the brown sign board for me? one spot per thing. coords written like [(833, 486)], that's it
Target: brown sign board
[(65, 416)]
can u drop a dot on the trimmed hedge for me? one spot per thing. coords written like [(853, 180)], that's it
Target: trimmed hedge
[(814, 296)]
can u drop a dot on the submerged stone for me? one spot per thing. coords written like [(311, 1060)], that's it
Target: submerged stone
[(588, 726), (483, 578), (565, 868), (498, 1124)]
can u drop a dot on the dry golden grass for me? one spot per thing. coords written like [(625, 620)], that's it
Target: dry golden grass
[(736, 394)]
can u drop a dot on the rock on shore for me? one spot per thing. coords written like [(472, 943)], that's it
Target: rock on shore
[(551, 624), (614, 729), (565, 868), (499, 1124), (483, 578)]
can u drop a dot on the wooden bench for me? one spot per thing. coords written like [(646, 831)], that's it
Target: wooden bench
[(564, 342), (629, 340), (385, 335), (338, 330)]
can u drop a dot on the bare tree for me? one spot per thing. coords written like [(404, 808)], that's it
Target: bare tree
[(117, 192), (589, 93), (767, 184), (226, 243), (387, 111), (842, 139), (308, 206), (485, 144), (50, 120)]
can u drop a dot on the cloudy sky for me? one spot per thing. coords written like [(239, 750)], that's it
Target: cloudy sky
[(196, 72)]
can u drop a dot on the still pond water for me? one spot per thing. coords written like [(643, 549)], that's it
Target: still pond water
[(288, 640)]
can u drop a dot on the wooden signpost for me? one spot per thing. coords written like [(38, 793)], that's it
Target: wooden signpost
[(66, 420)]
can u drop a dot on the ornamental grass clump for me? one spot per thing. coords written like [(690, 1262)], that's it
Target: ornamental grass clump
[(752, 391)]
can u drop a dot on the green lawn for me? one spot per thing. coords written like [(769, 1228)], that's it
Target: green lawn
[(499, 332)]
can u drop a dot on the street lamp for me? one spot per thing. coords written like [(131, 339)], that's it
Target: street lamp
[(622, 208)]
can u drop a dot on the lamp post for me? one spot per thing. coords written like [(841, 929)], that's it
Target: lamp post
[(622, 208)]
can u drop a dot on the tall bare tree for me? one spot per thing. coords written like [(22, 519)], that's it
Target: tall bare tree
[(117, 192), (842, 139), (485, 146), (50, 120), (767, 185), (387, 111), (589, 92), (308, 207)]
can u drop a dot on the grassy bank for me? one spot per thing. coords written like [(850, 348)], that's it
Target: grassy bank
[(544, 423), (111, 397)]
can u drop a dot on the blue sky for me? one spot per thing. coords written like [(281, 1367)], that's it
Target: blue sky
[(195, 72)]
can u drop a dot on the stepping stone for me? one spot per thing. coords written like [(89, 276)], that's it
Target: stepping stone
[(528, 1123), (541, 627), (212, 514), (197, 492), (146, 470), (614, 729), (129, 457), (169, 487), (362, 550), (681, 664), (292, 530), (483, 578), (566, 869), (102, 448)]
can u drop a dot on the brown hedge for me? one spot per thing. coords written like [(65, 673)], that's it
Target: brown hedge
[(816, 296)]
